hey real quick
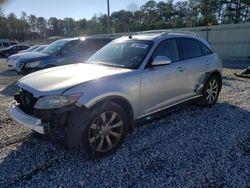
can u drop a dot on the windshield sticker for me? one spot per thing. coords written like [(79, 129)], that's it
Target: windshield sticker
[(138, 45)]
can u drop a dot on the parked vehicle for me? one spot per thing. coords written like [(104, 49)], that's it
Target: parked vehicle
[(6, 52), (4, 43), (61, 52), (13, 59), (32, 48), (96, 103), (13, 43)]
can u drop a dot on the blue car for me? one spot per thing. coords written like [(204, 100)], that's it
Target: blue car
[(61, 52)]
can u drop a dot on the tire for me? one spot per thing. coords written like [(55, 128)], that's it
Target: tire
[(211, 92), (98, 138)]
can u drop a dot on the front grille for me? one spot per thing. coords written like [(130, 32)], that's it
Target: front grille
[(26, 101)]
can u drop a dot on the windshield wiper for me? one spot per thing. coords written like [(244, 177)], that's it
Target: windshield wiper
[(109, 64)]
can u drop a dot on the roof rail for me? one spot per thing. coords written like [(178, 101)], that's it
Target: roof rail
[(183, 32), (169, 31)]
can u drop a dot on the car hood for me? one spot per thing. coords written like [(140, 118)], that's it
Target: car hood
[(15, 56), (33, 56), (54, 81)]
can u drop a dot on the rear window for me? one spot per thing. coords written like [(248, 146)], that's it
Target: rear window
[(190, 48)]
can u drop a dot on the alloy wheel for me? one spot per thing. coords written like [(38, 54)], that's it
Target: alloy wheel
[(212, 91), (106, 131)]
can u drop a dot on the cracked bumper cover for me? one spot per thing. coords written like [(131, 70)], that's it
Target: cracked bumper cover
[(26, 120)]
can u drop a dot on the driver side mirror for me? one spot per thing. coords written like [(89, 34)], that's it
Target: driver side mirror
[(161, 60)]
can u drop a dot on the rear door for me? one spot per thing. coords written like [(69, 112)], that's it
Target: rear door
[(196, 63), (164, 85)]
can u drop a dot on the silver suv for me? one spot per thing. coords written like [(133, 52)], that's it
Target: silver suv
[(95, 104)]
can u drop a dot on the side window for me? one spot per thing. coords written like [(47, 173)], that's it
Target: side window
[(70, 48), (5, 44), (205, 50), (168, 48), (190, 48)]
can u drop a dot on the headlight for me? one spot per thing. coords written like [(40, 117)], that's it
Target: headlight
[(56, 101), (32, 64)]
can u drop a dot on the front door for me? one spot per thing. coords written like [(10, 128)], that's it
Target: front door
[(164, 85)]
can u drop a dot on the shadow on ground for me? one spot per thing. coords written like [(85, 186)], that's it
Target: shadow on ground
[(189, 146), (8, 73), (9, 90)]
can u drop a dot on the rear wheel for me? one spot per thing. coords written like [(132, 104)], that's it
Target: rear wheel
[(211, 92)]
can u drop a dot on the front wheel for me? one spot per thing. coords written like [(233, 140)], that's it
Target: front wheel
[(211, 92), (105, 130)]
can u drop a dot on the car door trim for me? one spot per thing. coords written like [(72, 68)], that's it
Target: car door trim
[(169, 106)]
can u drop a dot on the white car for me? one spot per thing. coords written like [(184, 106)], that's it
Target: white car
[(13, 59)]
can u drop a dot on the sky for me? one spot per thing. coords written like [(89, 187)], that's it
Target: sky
[(76, 9)]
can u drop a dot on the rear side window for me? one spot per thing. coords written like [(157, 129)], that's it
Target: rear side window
[(205, 50), (190, 48), (168, 48)]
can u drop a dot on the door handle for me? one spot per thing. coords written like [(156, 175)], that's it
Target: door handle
[(180, 69), (208, 62)]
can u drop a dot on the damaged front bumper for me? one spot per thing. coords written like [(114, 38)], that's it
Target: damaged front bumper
[(26, 120)]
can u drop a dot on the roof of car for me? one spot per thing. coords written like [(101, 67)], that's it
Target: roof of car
[(152, 35), (84, 38)]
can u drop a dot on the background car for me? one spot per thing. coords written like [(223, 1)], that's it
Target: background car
[(6, 52), (4, 44), (61, 52), (30, 49), (13, 59), (13, 43)]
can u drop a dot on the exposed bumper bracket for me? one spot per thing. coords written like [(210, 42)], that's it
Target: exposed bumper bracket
[(26, 120)]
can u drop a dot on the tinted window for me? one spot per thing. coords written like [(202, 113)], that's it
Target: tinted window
[(54, 47), (94, 44), (70, 48), (6, 44), (205, 50), (190, 48), (168, 48)]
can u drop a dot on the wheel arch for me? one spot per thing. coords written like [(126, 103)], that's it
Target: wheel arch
[(121, 101), (213, 73)]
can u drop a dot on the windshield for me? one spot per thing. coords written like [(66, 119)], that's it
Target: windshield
[(32, 48), (39, 49), (122, 53), (54, 47)]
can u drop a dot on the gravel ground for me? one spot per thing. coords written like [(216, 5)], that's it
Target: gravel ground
[(184, 147)]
